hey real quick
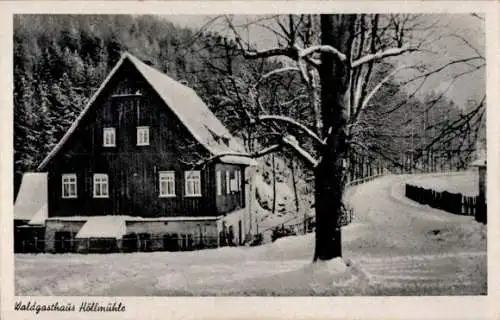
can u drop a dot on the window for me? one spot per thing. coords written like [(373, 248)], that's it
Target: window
[(143, 136), (193, 183), (228, 182), (167, 184), (101, 185), (219, 183), (109, 137), (234, 182), (238, 180), (69, 186)]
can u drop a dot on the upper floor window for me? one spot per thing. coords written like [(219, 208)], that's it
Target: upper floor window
[(101, 185), (69, 186), (109, 137), (193, 183), (167, 184), (143, 136)]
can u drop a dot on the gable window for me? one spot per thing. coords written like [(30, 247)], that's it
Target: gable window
[(109, 137), (193, 183), (143, 136), (101, 185), (219, 183), (69, 186), (167, 184)]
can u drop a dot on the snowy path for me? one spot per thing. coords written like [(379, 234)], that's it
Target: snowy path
[(396, 241), (396, 247)]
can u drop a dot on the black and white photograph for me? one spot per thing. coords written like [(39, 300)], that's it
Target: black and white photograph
[(192, 155)]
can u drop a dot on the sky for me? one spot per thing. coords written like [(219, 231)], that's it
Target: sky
[(468, 87)]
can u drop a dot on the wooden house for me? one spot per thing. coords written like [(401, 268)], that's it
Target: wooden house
[(145, 166)]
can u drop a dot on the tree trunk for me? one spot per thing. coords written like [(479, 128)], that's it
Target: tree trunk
[(274, 184), (337, 31), (294, 182)]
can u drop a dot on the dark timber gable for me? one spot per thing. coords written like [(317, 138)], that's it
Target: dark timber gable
[(126, 102)]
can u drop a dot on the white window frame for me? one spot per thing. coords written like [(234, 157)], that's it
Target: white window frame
[(218, 181), (111, 134), (101, 181), (228, 182), (192, 177), (166, 178), (143, 136), (69, 179)]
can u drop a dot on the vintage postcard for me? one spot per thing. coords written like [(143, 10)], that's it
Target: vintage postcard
[(249, 160)]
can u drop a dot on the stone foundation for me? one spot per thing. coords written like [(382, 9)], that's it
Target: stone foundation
[(53, 226), (140, 236)]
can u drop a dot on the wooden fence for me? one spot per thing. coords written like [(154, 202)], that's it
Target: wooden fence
[(299, 223), (455, 203)]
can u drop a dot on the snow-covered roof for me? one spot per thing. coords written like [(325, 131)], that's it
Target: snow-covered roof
[(31, 201), (103, 227), (40, 216), (239, 160), (205, 127)]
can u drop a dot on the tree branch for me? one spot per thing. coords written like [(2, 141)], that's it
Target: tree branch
[(323, 49), (275, 71), (253, 155), (294, 123), (381, 55), (370, 95), (291, 142), (440, 68)]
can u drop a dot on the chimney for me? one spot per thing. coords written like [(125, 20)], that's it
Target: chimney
[(184, 82), (149, 63)]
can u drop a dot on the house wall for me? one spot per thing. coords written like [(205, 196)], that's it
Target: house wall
[(132, 170)]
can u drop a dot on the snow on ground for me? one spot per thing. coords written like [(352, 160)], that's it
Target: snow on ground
[(465, 182), (392, 248)]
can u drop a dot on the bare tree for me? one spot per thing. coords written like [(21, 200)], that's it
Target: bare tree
[(336, 57)]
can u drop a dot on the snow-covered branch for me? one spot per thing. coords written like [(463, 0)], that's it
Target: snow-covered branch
[(372, 93), (381, 55), (294, 123), (324, 49), (297, 98), (274, 72), (254, 155), (291, 142)]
